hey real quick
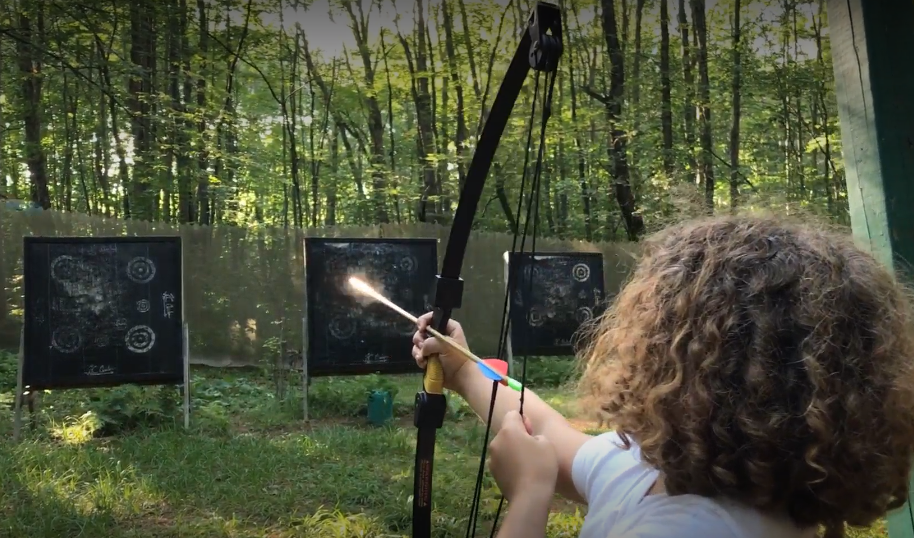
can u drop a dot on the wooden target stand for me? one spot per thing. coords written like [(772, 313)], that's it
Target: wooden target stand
[(21, 390), (185, 387)]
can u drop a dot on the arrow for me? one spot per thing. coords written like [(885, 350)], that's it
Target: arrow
[(494, 369)]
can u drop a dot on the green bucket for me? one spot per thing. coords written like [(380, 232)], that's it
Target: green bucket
[(380, 407)]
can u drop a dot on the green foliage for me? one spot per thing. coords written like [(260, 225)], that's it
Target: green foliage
[(547, 371), (8, 367), (239, 471), (247, 468), (274, 105), (348, 397)]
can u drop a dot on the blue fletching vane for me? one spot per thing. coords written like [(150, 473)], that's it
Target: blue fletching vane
[(489, 372)]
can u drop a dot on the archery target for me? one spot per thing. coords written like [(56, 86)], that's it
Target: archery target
[(140, 339), (580, 272), (141, 270), (142, 306)]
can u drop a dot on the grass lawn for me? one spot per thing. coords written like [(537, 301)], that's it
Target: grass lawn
[(115, 463)]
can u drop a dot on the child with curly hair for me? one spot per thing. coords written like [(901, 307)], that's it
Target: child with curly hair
[(759, 377)]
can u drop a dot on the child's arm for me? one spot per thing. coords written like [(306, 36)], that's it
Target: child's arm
[(476, 389), (527, 516)]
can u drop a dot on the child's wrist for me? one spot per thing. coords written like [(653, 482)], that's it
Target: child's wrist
[(463, 378), (535, 496)]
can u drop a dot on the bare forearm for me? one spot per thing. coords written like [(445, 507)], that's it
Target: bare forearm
[(476, 389), (527, 517)]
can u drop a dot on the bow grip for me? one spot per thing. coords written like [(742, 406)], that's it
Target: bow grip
[(433, 382)]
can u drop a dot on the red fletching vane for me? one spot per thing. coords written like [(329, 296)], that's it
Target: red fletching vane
[(495, 365)]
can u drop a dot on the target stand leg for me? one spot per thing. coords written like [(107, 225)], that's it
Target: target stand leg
[(17, 398), (186, 352)]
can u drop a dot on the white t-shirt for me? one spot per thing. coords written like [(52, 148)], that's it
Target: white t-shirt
[(614, 482)]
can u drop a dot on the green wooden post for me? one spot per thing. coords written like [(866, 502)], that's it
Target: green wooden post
[(873, 55)]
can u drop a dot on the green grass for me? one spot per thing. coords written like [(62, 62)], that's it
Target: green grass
[(116, 463)]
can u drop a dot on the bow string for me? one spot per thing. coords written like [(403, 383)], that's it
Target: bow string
[(539, 50)]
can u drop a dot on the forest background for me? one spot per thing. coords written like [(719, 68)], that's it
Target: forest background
[(246, 125)]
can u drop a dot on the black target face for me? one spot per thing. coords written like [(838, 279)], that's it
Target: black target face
[(140, 339), (141, 270), (66, 340)]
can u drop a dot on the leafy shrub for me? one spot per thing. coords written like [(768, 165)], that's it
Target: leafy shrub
[(546, 371)]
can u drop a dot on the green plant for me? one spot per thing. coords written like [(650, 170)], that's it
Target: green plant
[(247, 468), (546, 371)]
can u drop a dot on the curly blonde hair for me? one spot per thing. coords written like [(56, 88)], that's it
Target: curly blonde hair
[(765, 362)]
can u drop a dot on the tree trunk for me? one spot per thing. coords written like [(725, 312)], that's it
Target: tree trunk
[(175, 125), (635, 86), (462, 132), (471, 51), (330, 219), (202, 203), (617, 143), (427, 151), (140, 90), (578, 140), (30, 68), (289, 114), (821, 91), (71, 139), (123, 171), (339, 123), (392, 149), (734, 128), (666, 101), (375, 122), (689, 110), (704, 98), (186, 208)]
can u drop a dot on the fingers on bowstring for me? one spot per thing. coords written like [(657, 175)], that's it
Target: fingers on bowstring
[(528, 425), (513, 418)]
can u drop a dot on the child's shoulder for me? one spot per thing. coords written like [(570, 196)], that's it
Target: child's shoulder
[(606, 472), (616, 483)]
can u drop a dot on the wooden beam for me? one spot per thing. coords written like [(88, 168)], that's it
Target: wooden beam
[(872, 46), (872, 49)]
